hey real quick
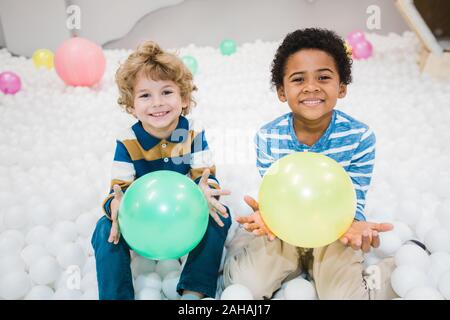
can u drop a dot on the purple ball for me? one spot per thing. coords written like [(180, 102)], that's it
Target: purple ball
[(9, 82), (355, 37)]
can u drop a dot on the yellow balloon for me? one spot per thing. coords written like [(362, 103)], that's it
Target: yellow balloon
[(307, 199), (43, 58)]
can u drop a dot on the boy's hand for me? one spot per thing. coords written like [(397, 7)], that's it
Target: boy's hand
[(254, 222), (114, 234), (215, 207), (362, 235)]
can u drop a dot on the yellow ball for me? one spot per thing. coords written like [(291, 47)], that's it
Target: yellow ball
[(43, 58), (307, 199)]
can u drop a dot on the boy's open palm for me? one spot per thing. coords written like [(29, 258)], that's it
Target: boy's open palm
[(114, 234), (254, 222), (362, 235), (215, 207)]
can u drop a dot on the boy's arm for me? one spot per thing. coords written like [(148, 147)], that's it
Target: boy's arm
[(122, 174), (360, 170)]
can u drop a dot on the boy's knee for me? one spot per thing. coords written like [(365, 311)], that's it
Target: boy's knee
[(242, 271)]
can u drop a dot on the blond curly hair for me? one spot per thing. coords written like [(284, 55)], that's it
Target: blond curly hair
[(156, 64)]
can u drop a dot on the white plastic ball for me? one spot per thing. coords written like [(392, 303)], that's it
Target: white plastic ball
[(90, 293), (413, 255), (444, 284), (86, 224), (71, 254), (405, 278), (89, 280), (15, 218), (389, 244), (440, 263), (299, 289), (40, 293), (37, 235), (63, 293), (169, 285), (438, 239), (236, 292), (14, 285), (151, 280), (9, 246), (423, 293), (42, 215), (163, 267), (149, 294), (11, 263), (141, 265), (45, 270), (32, 253), (403, 231)]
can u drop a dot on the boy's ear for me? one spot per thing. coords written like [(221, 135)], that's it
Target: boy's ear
[(281, 94), (342, 91)]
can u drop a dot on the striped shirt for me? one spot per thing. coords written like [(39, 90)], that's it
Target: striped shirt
[(137, 153), (346, 140)]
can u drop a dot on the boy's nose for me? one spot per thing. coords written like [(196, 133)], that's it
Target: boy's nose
[(157, 101), (310, 87)]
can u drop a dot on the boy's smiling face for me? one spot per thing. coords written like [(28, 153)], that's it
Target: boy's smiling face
[(311, 86), (157, 104)]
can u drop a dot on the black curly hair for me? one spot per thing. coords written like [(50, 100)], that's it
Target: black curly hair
[(312, 38)]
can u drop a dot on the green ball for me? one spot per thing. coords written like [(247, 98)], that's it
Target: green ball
[(191, 63), (228, 47), (163, 215)]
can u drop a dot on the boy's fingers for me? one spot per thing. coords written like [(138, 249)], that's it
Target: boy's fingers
[(251, 226), (252, 203), (344, 240), (220, 192), (219, 207), (118, 193), (383, 227), (244, 219), (365, 247), (356, 244), (216, 218), (375, 239), (204, 177)]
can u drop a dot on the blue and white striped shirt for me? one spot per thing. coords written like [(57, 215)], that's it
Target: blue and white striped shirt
[(348, 141)]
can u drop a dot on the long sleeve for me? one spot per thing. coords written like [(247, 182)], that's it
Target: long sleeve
[(201, 159), (263, 159), (122, 174), (360, 170)]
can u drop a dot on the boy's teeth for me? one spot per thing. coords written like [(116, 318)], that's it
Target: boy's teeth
[(159, 114), (311, 102)]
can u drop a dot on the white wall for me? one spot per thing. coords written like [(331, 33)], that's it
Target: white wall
[(207, 22), (32, 24)]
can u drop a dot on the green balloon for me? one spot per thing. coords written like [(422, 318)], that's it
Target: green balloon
[(191, 63), (163, 215), (228, 47)]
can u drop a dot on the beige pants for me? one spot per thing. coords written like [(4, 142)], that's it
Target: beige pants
[(338, 272)]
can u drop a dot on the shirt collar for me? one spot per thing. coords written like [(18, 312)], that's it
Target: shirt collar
[(147, 141), (320, 143)]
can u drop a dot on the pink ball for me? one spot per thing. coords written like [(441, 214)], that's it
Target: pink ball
[(362, 50), (79, 62), (9, 82), (355, 37)]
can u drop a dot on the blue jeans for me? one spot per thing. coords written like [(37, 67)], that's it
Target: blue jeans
[(199, 274)]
